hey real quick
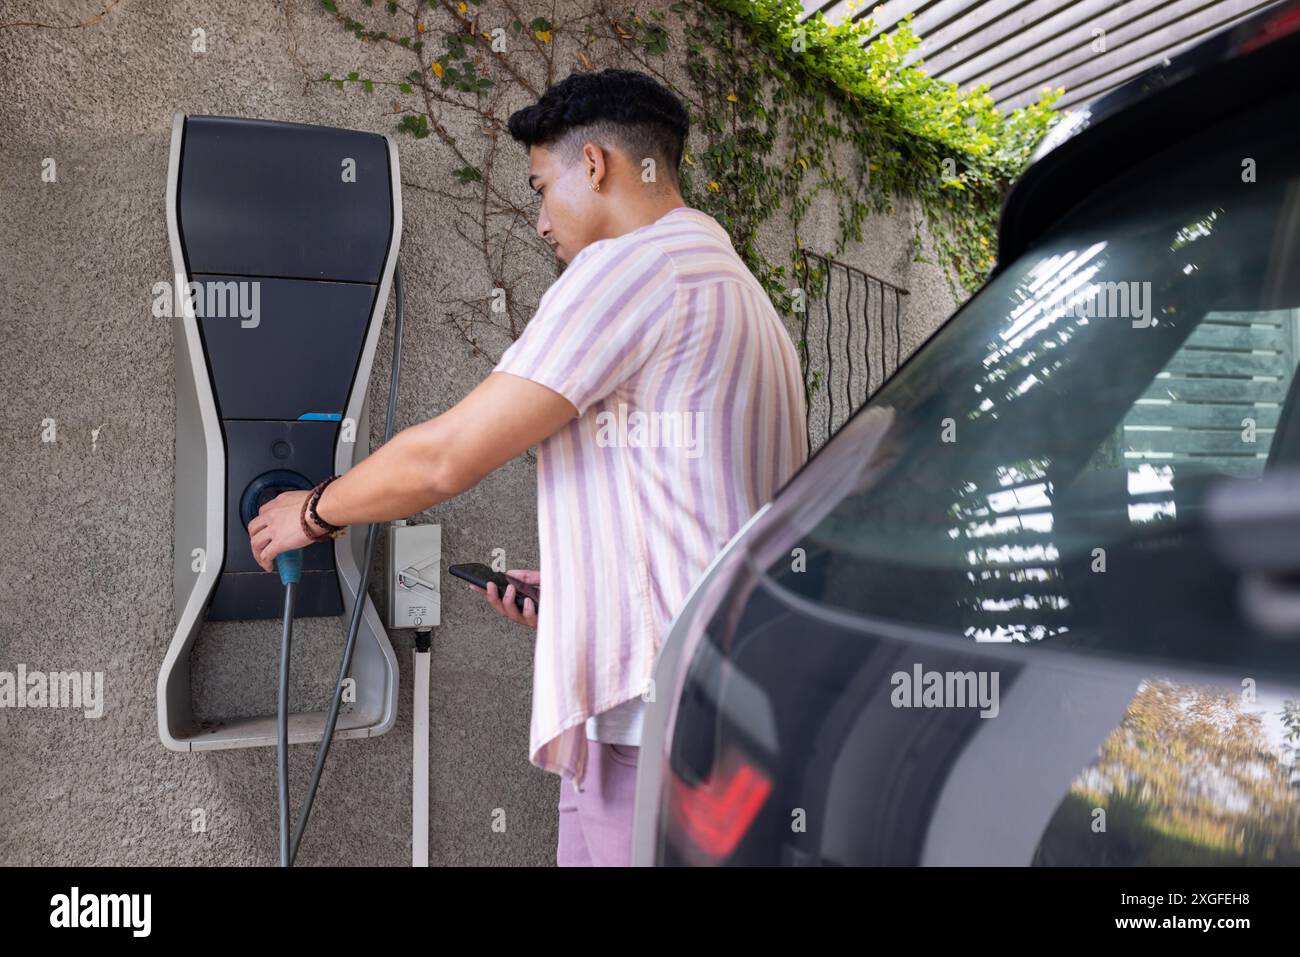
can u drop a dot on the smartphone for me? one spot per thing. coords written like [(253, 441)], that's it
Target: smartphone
[(479, 574)]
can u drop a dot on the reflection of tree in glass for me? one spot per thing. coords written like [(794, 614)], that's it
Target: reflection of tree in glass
[(1188, 777), (1291, 722)]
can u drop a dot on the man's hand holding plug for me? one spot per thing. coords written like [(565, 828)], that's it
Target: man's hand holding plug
[(277, 528)]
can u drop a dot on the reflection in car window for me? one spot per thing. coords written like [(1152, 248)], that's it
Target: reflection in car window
[(1073, 418)]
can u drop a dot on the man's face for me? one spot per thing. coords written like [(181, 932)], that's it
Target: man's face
[(571, 217)]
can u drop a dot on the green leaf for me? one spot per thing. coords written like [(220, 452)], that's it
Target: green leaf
[(516, 25), (368, 86), (467, 174), (354, 76), (329, 5), (405, 87), (339, 84), (417, 126), (392, 7), (327, 77)]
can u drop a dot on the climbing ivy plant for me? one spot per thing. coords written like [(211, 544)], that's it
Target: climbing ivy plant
[(782, 112), (854, 121)]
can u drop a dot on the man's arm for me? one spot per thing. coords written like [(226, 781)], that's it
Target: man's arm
[(423, 465), (439, 459)]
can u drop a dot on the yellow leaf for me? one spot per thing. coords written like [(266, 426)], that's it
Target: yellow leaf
[(543, 35), (419, 27), (461, 7), (714, 187), (802, 162), (731, 97), (983, 241), (437, 70)]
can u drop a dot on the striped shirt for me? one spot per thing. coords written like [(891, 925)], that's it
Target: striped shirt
[(691, 415)]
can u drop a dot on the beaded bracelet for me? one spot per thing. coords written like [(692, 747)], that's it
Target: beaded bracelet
[(309, 508)]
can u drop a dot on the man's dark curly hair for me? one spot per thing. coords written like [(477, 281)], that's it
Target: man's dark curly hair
[(623, 108)]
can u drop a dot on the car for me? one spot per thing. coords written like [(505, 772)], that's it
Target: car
[(1037, 602)]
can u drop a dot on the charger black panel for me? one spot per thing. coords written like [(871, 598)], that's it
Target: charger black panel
[(252, 449), (262, 198), (297, 354)]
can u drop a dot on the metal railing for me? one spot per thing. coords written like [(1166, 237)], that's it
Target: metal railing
[(850, 340)]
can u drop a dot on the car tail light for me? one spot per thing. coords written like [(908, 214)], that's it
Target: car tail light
[(716, 813), (1286, 22)]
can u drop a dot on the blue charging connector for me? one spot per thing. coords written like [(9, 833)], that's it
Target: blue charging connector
[(289, 565)]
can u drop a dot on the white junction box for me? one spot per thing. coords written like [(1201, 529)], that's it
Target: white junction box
[(414, 574)]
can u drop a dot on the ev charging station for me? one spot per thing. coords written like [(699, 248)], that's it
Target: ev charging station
[(303, 223)]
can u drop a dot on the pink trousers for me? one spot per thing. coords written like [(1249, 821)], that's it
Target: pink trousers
[(596, 821)]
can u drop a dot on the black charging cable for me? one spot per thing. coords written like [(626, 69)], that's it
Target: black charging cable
[(282, 722), (289, 851)]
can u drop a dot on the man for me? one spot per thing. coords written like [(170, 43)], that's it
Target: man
[(666, 401)]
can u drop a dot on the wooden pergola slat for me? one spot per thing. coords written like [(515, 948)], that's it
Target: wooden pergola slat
[(1018, 47)]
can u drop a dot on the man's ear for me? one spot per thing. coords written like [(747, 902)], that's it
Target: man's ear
[(593, 164)]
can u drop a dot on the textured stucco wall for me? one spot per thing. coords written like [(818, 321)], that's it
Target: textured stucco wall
[(85, 572)]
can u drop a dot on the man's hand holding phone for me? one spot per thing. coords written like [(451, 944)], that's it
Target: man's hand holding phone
[(521, 592), (506, 605)]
